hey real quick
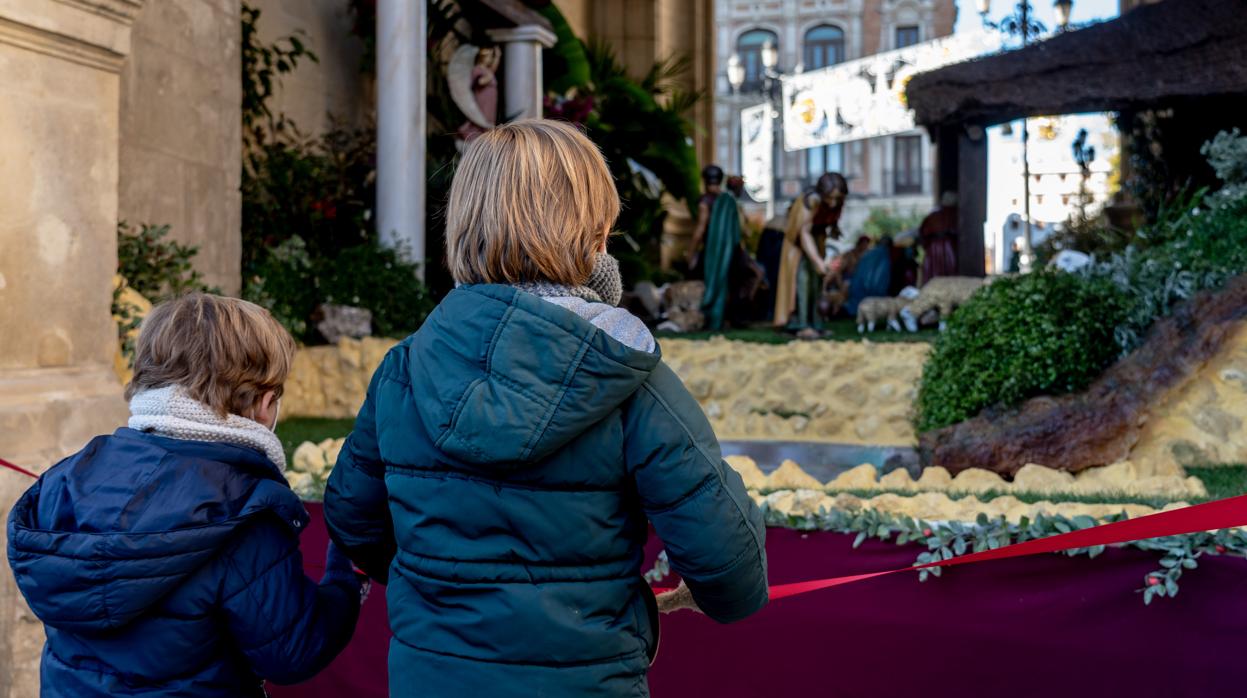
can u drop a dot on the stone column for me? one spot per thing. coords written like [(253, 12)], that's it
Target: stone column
[(521, 63), (401, 118), (59, 116)]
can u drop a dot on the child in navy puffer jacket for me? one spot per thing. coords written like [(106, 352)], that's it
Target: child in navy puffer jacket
[(163, 560)]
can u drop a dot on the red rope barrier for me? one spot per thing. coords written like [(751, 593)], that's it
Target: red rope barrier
[(5, 464), (1209, 516)]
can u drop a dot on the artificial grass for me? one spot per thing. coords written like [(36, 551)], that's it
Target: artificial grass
[(1222, 481), (842, 330)]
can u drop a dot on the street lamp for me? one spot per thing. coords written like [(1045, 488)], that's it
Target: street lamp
[(1022, 25), (735, 72), (770, 55), (1061, 10)]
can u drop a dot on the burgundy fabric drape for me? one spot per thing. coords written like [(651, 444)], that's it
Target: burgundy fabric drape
[(1039, 626)]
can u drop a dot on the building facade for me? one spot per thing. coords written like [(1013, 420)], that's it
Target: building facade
[(892, 172)]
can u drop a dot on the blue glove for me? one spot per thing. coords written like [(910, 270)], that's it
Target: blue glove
[(338, 567)]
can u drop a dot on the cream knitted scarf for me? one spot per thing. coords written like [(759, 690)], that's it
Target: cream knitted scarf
[(171, 412)]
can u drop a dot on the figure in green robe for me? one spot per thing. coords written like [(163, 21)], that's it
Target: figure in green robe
[(722, 240)]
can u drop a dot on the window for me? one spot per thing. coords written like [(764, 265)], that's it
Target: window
[(824, 46), (749, 47), (823, 159), (906, 36), (907, 160)]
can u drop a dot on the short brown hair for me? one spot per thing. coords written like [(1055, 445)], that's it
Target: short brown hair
[(225, 352), (531, 201)]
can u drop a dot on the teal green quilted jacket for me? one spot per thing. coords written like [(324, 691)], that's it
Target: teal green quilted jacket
[(502, 476)]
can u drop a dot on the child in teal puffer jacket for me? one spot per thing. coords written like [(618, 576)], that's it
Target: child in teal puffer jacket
[(511, 454)]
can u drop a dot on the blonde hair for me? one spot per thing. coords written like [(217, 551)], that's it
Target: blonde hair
[(225, 352), (532, 200)]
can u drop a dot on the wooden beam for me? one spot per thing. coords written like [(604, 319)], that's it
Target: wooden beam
[(971, 200)]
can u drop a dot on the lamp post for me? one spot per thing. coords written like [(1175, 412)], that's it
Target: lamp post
[(1022, 24), (771, 89)]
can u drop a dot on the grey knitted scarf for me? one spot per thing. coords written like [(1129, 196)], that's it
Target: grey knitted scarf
[(605, 285)]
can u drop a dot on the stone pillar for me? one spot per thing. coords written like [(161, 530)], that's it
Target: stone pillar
[(401, 118), (521, 63), (59, 119)]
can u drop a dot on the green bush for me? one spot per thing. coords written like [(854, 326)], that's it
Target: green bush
[(1042, 333), (157, 268), (309, 236), (1200, 250), (291, 283)]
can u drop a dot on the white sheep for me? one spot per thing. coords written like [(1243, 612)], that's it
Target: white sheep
[(942, 294)]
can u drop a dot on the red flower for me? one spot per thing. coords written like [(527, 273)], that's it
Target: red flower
[(1221, 549), (1153, 581), (926, 532)]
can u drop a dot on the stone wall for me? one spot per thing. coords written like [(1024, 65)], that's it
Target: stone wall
[(1201, 421), (644, 31), (333, 86), (845, 392), (59, 124), (180, 139), (841, 392), (181, 145)]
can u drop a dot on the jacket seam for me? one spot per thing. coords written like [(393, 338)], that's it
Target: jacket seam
[(431, 474), (711, 462), (550, 665), (554, 405), (539, 564), (257, 576), (702, 487), (493, 339), (404, 568), (523, 392)]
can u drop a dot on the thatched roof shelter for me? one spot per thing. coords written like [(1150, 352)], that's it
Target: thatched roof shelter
[(1183, 56), (1152, 57)]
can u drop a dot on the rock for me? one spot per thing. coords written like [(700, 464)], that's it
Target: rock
[(862, 477), (866, 428), (978, 480), (682, 305), (308, 458), (748, 470), (935, 478), (790, 476), (1037, 478), (337, 321), (898, 479)]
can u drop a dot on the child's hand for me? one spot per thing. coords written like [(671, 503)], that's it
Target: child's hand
[(677, 598)]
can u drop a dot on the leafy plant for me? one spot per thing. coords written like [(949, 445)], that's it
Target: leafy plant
[(642, 128), (308, 232), (262, 68), (1042, 333), (949, 539), (999, 350), (157, 268), (1201, 249)]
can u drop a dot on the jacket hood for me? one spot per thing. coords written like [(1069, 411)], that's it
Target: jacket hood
[(503, 378), (107, 533)]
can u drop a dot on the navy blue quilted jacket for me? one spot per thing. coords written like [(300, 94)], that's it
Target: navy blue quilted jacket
[(502, 474), (164, 567)]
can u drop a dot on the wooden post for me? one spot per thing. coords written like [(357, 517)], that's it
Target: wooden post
[(971, 199)]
